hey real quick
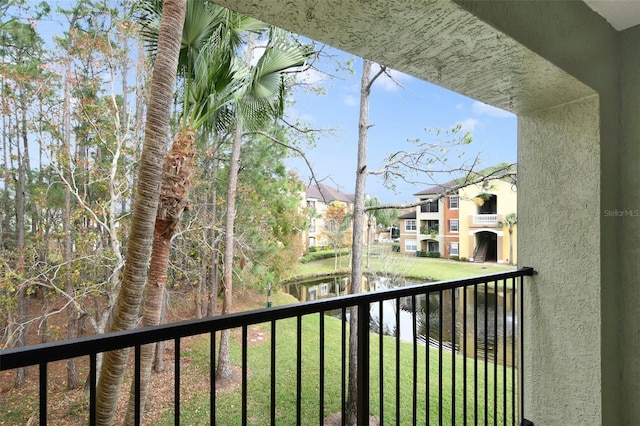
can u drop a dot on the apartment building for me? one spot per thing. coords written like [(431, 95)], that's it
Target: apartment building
[(327, 206), (472, 223)]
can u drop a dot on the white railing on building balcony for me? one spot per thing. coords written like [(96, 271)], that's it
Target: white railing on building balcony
[(485, 219)]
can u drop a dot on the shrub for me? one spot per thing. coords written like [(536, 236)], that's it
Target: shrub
[(454, 258), (325, 254), (433, 254), (395, 248)]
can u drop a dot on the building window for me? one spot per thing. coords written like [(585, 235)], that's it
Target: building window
[(312, 226), (453, 225), (410, 225), (324, 289), (410, 245), (453, 202), (453, 250), (429, 207)]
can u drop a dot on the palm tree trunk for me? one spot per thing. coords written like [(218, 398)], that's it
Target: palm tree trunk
[(152, 311), (144, 213), (510, 246), (176, 181)]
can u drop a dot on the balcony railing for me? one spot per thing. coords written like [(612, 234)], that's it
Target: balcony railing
[(486, 219), (439, 353)]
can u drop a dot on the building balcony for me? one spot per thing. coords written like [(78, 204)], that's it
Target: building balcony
[(448, 352), (485, 220)]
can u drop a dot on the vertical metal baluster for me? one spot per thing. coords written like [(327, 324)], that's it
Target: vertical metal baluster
[(92, 388), (453, 356), (486, 355), (398, 360), (440, 320), (176, 397), (515, 314), (475, 354), (363, 370), (504, 351), (344, 368), (415, 358), (273, 372), (245, 367), (43, 393), (464, 354), (428, 360), (212, 378), (495, 354), (521, 350), (321, 370), (299, 370), (381, 359), (136, 387)]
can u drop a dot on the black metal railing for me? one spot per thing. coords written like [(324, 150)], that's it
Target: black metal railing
[(438, 353)]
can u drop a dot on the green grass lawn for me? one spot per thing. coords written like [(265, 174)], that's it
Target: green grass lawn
[(407, 265), (196, 410)]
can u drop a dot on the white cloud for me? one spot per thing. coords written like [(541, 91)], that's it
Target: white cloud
[(294, 114), (484, 109), (468, 124), (350, 100)]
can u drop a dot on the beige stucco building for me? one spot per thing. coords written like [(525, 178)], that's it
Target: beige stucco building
[(573, 79), (468, 223)]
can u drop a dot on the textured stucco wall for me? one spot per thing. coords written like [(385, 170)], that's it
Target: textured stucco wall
[(630, 224), (559, 234)]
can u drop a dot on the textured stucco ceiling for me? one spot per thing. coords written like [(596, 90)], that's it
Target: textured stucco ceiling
[(621, 14), (434, 40)]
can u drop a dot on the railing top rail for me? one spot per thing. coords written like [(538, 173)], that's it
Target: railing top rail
[(65, 349)]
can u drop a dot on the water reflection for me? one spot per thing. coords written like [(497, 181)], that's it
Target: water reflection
[(478, 321)]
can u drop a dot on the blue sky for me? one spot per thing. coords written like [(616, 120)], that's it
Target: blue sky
[(396, 114)]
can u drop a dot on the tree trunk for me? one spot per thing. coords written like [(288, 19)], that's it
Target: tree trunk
[(510, 246), (158, 361), (357, 244), (23, 306), (176, 181), (152, 311), (146, 204), (215, 257), (224, 371), (73, 380)]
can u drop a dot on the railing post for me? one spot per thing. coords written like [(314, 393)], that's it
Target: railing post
[(523, 420), (363, 364)]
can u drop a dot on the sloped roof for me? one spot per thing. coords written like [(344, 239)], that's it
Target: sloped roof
[(443, 188), (330, 194), (410, 215), (438, 189)]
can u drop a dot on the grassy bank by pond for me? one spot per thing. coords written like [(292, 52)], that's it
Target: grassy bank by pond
[(229, 400), (405, 265)]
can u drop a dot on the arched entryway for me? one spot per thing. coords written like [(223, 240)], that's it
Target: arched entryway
[(486, 247)]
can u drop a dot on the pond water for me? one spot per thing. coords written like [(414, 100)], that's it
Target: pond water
[(484, 315)]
